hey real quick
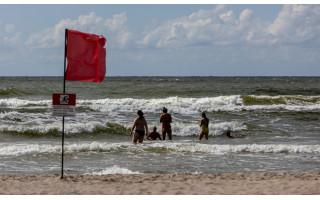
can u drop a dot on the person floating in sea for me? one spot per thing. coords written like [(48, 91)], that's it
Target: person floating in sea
[(204, 124), (154, 134), (166, 119), (140, 126), (228, 134)]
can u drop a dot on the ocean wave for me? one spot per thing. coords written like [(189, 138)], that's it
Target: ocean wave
[(12, 91), (115, 170), (158, 147), (215, 129), (22, 103), (75, 128), (96, 127), (187, 106), (248, 148), (179, 105), (175, 104), (275, 100)]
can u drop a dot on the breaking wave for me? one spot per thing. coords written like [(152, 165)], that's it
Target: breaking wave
[(55, 129), (115, 170), (95, 127), (180, 105), (12, 91), (158, 147)]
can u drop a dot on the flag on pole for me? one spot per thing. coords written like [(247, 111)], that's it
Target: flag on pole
[(86, 57)]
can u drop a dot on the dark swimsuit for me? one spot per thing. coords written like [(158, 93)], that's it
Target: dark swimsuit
[(140, 132)]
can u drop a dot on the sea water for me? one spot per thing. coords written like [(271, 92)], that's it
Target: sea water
[(274, 121)]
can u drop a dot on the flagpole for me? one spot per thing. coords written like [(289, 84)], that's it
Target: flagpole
[(64, 91), (65, 60)]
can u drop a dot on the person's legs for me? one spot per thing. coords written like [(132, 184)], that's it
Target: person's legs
[(135, 138), (141, 139), (206, 135), (169, 134), (163, 134), (201, 135)]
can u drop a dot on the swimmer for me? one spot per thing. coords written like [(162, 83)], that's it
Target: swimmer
[(204, 124), (140, 126), (154, 134), (166, 119)]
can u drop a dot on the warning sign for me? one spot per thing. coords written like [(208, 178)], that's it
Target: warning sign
[(63, 105)]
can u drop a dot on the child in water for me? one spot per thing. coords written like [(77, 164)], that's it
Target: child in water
[(154, 134)]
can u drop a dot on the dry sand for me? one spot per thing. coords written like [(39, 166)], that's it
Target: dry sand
[(160, 184)]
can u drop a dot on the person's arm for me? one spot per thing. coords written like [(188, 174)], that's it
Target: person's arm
[(146, 126), (147, 136), (133, 126), (161, 118), (170, 119), (159, 136)]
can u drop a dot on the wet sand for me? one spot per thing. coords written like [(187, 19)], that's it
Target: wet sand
[(254, 183)]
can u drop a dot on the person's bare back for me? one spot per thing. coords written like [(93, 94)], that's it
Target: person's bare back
[(166, 119)]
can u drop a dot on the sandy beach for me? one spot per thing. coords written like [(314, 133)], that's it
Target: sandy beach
[(255, 183)]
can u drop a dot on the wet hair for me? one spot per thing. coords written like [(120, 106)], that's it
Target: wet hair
[(154, 127), (204, 116), (140, 113), (164, 110)]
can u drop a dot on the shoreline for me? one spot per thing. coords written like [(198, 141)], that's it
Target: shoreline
[(240, 183)]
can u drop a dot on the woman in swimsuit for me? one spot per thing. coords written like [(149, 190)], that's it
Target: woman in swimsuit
[(166, 121), (204, 124), (140, 126)]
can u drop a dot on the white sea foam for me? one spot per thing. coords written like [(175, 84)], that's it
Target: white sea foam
[(189, 129), (41, 129), (175, 104), (245, 148), (187, 106), (115, 170), (96, 147), (16, 150), (16, 103)]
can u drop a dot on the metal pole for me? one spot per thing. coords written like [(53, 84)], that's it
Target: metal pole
[(62, 151), (65, 60), (64, 91)]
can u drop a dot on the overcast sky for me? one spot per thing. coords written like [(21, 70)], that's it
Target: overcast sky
[(166, 40)]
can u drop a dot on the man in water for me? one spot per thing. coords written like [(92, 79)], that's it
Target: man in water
[(166, 119), (154, 134)]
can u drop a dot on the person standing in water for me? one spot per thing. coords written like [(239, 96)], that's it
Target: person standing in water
[(204, 124), (166, 120), (141, 128)]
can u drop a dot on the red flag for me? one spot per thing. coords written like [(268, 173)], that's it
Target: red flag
[(86, 57)]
